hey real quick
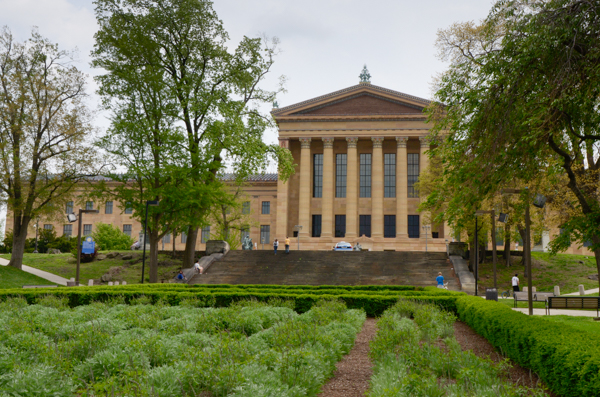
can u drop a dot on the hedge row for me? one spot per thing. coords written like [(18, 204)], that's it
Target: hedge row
[(565, 358)]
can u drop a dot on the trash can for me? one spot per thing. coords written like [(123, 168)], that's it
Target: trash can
[(491, 294)]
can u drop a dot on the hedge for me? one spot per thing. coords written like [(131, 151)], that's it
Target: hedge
[(565, 358)]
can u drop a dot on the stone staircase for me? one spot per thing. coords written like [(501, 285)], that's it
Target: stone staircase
[(329, 268)]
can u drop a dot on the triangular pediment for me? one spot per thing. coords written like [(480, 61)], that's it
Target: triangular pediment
[(359, 100)]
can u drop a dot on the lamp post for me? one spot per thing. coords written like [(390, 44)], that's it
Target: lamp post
[(298, 228), (494, 254), (153, 203), (426, 229), (37, 225), (72, 218), (539, 202)]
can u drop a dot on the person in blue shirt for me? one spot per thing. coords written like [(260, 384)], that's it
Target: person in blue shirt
[(440, 280)]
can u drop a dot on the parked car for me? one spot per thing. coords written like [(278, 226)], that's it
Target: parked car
[(342, 246)]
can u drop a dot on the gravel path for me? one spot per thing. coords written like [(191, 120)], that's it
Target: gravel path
[(351, 379)]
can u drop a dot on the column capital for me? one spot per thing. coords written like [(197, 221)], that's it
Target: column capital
[(377, 141), (352, 141), (305, 143), (328, 143), (401, 141), (424, 141)]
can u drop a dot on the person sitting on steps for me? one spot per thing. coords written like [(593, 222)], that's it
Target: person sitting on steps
[(440, 280)]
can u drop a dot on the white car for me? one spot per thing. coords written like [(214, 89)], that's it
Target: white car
[(342, 246)]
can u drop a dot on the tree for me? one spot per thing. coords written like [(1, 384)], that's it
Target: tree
[(520, 104), (231, 219), (44, 128), (176, 53), (109, 237)]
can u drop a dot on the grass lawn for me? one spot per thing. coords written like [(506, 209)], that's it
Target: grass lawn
[(583, 323), (11, 277), (123, 270), (566, 271), (510, 303)]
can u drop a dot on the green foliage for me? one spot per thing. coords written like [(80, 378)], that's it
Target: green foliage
[(15, 278), (109, 237)]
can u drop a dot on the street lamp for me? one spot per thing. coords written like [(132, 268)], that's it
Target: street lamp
[(153, 203), (297, 229), (426, 229), (72, 218)]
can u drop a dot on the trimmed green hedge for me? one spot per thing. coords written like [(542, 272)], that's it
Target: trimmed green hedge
[(565, 358)]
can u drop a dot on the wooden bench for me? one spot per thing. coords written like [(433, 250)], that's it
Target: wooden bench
[(536, 297), (40, 286), (573, 302)]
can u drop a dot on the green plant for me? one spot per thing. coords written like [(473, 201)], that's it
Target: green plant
[(110, 237)]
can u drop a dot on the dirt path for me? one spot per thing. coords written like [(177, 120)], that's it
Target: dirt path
[(351, 379)]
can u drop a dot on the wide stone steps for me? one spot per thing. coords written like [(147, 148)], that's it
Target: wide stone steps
[(329, 268)]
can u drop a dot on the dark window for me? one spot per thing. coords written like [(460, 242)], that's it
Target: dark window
[(413, 226), (108, 207), (69, 207), (499, 238), (340, 174), (245, 231), (316, 225), (435, 234), (295, 233), (48, 227), (318, 175), (266, 207), (340, 226), (87, 230), (128, 208), (389, 175), (389, 226), (205, 234), (167, 238), (246, 207), (265, 234), (413, 173), (364, 225), (365, 175), (183, 238), (67, 230), (587, 243), (127, 230), (89, 205)]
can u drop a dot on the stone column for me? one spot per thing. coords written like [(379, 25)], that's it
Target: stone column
[(281, 229), (423, 165), (328, 187), (401, 188), (352, 188), (377, 188), (305, 178)]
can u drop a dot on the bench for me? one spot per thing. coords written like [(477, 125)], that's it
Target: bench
[(573, 302), (537, 296), (40, 286)]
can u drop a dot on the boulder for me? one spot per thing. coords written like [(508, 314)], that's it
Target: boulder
[(54, 251), (593, 277), (112, 255), (101, 257), (106, 277), (127, 257), (217, 247)]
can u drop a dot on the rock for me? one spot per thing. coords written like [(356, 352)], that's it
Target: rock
[(54, 251), (593, 277), (106, 277), (101, 257), (112, 255), (216, 246), (127, 257)]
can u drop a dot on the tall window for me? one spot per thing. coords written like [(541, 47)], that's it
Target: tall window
[(127, 230), (413, 173), (340, 226), (499, 239), (316, 225), (340, 174), (67, 230), (69, 207), (364, 225), (167, 238), (389, 226), (89, 205), (205, 235), (413, 226), (48, 226), (246, 207), (108, 207), (87, 230), (128, 208), (389, 175), (365, 175), (318, 175), (265, 234), (266, 207), (183, 238)]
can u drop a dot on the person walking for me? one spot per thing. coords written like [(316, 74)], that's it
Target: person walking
[(287, 244), (440, 280), (515, 283), (275, 245)]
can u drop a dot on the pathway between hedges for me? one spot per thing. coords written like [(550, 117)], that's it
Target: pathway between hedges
[(40, 273), (351, 379)]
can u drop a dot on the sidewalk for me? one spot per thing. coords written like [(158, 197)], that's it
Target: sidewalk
[(558, 312), (587, 291), (40, 273)]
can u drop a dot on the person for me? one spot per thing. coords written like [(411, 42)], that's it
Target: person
[(135, 246), (197, 266), (515, 283), (287, 245), (440, 280), (275, 245), (181, 276)]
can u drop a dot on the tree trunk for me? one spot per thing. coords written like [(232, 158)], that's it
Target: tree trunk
[(523, 234), (174, 252), (153, 259), (190, 247), (19, 240), (507, 245), (471, 239)]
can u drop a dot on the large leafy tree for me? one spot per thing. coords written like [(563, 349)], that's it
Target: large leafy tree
[(44, 130), (168, 62), (521, 105)]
